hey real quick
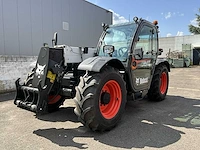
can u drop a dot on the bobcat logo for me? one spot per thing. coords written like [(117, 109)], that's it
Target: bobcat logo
[(39, 70)]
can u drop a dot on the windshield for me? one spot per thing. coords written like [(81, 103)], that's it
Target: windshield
[(119, 36)]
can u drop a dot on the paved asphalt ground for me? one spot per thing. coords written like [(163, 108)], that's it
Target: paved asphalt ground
[(172, 124)]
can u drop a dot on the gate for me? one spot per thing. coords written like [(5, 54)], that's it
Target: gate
[(196, 57)]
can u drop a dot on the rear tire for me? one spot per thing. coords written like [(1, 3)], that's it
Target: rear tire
[(159, 84), (100, 99)]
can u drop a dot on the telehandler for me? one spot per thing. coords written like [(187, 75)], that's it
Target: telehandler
[(124, 64)]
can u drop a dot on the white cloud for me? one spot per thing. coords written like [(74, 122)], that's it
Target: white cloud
[(172, 14), (169, 34), (168, 15), (118, 18), (194, 22), (179, 33), (179, 14)]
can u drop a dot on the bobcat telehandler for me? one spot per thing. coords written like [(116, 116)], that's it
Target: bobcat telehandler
[(124, 64)]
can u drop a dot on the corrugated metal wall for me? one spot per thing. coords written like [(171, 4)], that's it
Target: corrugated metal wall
[(26, 24)]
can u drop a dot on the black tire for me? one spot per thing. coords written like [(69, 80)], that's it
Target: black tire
[(94, 99), (52, 106), (159, 84)]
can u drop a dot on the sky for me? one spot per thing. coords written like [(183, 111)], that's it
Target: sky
[(173, 16)]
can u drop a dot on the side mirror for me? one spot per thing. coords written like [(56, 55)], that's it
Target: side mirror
[(55, 39), (138, 53), (160, 50), (109, 49)]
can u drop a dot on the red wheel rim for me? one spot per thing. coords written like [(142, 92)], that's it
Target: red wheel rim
[(163, 83), (109, 110), (53, 99)]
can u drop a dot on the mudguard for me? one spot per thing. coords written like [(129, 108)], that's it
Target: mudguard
[(163, 60), (97, 63)]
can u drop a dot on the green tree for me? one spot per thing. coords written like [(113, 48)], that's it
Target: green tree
[(195, 29)]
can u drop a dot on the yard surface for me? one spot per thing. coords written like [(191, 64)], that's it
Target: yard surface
[(171, 124)]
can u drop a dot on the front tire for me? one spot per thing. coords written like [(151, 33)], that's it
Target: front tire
[(100, 99), (55, 101), (159, 84)]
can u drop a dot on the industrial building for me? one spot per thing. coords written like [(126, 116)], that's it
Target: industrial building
[(188, 46), (26, 24)]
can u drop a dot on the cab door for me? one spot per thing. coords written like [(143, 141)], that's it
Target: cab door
[(144, 57)]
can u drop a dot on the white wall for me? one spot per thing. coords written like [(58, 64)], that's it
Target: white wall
[(12, 68), (175, 43)]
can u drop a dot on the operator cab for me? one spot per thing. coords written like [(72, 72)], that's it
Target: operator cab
[(135, 44)]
